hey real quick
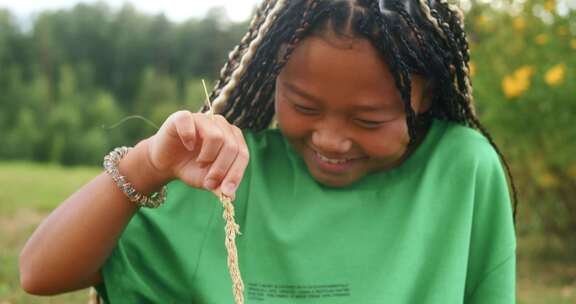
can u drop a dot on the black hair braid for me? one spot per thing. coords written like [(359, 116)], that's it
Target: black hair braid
[(459, 64), (299, 33), (253, 93), (385, 44), (424, 45), (267, 62), (239, 50), (455, 22), (471, 118), (410, 22), (435, 56), (446, 20), (267, 112), (266, 59), (435, 46), (307, 19), (413, 64), (248, 92), (476, 123)]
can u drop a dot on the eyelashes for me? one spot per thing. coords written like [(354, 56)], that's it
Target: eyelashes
[(369, 124), (304, 110), (366, 124)]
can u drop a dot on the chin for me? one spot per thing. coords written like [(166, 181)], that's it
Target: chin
[(333, 184), (333, 181)]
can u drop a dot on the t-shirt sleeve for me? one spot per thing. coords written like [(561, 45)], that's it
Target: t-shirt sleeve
[(159, 248), (497, 285), (158, 253), (491, 275)]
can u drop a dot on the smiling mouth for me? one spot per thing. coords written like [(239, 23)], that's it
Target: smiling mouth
[(335, 160), (332, 160)]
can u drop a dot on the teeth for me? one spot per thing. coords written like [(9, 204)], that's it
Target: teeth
[(332, 161)]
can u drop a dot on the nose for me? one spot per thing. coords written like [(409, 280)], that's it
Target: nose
[(331, 140)]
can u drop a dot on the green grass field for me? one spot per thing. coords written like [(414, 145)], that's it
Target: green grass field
[(29, 191)]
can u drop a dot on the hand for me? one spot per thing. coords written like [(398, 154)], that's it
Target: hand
[(203, 150)]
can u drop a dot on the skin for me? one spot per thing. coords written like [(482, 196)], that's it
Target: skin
[(69, 247), (319, 98), (328, 76)]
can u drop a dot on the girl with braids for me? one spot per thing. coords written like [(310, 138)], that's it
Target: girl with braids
[(379, 184)]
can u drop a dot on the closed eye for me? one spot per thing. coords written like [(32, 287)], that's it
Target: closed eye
[(305, 110), (369, 124)]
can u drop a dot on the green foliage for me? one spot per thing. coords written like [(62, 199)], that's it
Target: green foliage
[(92, 146), (78, 72), (21, 210), (195, 94), (65, 126), (525, 87), (20, 142)]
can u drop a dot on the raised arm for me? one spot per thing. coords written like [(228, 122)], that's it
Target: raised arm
[(69, 247)]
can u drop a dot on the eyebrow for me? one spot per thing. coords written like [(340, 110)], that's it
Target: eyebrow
[(301, 92), (305, 95)]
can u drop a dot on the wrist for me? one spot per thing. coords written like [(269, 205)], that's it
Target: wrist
[(138, 170)]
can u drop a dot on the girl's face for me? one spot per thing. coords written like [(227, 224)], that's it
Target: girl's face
[(337, 104)]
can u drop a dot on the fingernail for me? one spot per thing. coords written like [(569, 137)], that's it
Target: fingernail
[(229, 188), (210, 184)]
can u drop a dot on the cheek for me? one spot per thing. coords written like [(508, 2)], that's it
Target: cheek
[(291, 124), (390, 142)]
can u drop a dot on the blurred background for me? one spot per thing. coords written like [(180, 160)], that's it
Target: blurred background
[(70, 70)]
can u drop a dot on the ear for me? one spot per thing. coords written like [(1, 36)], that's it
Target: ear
[(424, 90), (428, 93)]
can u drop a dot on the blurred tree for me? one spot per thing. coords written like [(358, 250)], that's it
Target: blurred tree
[(79, 71), (525, 86), (21, 141), (64, 129)]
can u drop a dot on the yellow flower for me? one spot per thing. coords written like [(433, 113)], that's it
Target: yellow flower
[(572, 171), (524, 72), (550, 5), (519, 24), (562, 31), (573, 44), (555, 75), (481, 21), (547, 180), (516, 84), (511, 89), (472, 67), (541, 39)]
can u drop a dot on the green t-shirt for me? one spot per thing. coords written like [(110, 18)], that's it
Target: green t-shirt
[(436, 229)]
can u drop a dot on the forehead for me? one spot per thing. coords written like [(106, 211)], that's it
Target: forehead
[(341, 70)]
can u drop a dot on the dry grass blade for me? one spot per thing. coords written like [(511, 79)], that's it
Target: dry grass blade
[(232, 229), (207, 101)]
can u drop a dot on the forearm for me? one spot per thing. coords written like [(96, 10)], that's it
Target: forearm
[(73, 242)]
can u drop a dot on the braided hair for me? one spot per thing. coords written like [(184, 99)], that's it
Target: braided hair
[(422, 37)]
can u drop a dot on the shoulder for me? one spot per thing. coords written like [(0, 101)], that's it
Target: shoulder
[(464, 159), (463, 146), (473, 163)]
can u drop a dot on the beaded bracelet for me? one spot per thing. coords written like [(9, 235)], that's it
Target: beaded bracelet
[(111, 166)]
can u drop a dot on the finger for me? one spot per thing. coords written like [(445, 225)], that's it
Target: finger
[(236, 172), (212, 137), (185, 128), (225, 158)]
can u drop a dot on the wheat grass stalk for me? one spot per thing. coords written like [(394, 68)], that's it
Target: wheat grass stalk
[(232, 230)]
